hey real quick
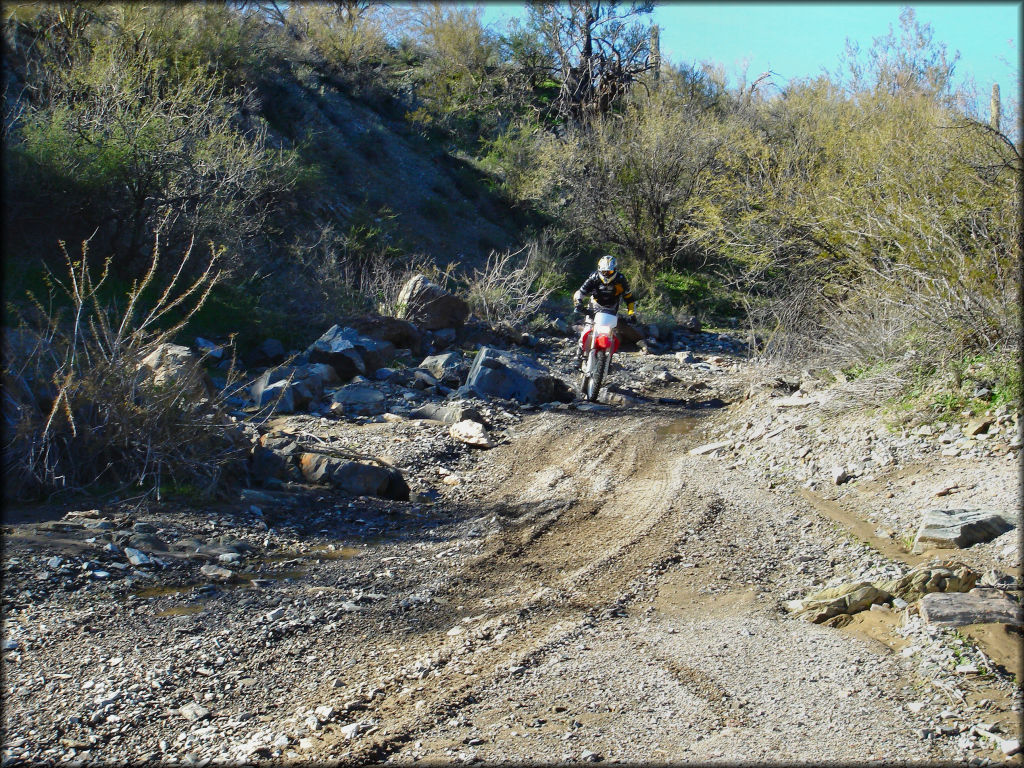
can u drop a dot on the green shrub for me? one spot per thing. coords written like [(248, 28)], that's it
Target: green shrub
[(82, 413)]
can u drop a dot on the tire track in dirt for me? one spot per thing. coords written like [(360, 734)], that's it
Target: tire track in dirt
[(584, 556)]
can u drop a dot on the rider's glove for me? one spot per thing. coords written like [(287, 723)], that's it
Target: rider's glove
[(580, 308)]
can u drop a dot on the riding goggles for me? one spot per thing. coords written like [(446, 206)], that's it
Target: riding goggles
[(607, 273)]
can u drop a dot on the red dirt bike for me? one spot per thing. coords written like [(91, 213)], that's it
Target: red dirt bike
[(597, 345)]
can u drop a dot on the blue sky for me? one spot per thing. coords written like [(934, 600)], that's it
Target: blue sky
[(796, 40)]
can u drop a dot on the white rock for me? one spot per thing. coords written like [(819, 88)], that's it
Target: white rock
[(193, 711), (352, 730), (710, 448), (324, 713), (471, 433), (275, 614), (136, 557), (1010, 747)]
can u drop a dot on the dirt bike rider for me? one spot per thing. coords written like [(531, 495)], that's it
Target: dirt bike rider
[(607, 288)]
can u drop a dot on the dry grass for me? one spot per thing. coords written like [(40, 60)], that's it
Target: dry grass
[(82, 414), (509, 289)]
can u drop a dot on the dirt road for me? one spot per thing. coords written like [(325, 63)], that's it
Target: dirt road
[(599, 594), (627, 607)]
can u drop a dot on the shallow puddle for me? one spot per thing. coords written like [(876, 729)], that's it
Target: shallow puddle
[(183, 610), (676, 428), (863, 530)]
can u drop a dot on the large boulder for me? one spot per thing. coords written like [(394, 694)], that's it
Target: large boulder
[(401, 333), (960, 528), (445, 367), (629, 335), (349, 352), (979, 606), (512, 376), (354, 477), (931, 577), (278, 397), (359, 400), (845, 599), (450, 412), (265, 464), (173, 365), (430, 306), (303, 385)]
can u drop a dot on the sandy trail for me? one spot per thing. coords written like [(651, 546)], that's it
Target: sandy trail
[(625, 609)]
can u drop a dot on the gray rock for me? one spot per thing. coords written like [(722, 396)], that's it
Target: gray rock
[(960, 528), (360, 400), (211, 349), (424, 379), (276, 614), (54, 562), (280, 396), (430, 306), (449, 413), (216, 572), (354, 477), (193, 712), (979, 606), (173, 365), (361, 479), (349, 352), (445, 336), (272, 350), (148, 542), (317, 467), (136, 557), (307, 384), (267, 464), (446, 367), (10, 645), (352, 730), (406, 337), (691, 324), (513, 376)]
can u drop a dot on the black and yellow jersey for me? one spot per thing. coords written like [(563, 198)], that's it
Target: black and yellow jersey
[(608, 295)]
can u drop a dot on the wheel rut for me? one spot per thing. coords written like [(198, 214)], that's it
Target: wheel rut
[(570, 556)]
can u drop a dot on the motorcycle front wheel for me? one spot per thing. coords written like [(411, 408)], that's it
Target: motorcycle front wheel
[(596, 366)]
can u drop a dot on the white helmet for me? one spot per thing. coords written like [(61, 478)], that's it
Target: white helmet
[(606, 269)]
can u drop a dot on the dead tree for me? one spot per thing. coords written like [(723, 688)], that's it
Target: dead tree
[(598, 50)]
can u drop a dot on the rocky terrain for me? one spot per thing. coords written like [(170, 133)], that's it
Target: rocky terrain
[(641, 579)]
